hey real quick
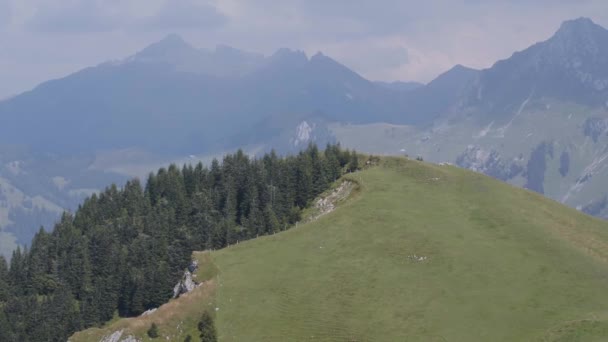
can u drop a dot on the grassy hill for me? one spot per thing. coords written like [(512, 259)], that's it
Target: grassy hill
[(419, 253)]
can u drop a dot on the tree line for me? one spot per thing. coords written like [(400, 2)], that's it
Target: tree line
[(124, 249)]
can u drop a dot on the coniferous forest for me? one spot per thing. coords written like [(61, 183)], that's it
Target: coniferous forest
[(125, 248)]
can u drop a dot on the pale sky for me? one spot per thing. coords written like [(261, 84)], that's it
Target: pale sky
[(382, 39)]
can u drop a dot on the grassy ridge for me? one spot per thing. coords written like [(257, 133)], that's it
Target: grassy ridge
[(420, 253)]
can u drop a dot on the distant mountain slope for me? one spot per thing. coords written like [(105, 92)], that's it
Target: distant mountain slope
[(570, 66), (193, 98), (537, 119), (174, 91), (419, 253), (440, 96), (224, 61), (36, 188)]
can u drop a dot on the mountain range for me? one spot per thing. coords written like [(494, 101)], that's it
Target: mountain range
[(538, 119)]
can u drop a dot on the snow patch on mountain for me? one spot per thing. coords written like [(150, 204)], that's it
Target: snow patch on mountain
[(303, 134), (60, 182)]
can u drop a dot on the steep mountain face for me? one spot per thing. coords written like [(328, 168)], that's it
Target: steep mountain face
[(441, 95), (291, 82), (570, 66), (537, 120)]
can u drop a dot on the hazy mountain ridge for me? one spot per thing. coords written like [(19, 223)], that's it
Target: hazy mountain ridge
[(572, 65), (101, 106), (537, 120), (223, 61)]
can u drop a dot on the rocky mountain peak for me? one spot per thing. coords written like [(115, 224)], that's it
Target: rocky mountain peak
[(572, 65), (578, 37), (288, 57), (170, 45), (578, 27)]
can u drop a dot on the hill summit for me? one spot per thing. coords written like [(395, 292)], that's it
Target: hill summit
[(419, 253)]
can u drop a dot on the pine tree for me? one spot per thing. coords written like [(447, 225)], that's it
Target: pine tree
[(17, 272), (4, 283), (6, 332), (353, 164), (303, 180), (64, 312), (272, 223), (255, 218), (207, 328), (153, 331), (332, 163)]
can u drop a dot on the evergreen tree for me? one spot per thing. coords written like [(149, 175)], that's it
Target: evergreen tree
[(207, 328), (153, 331), (353, 164), (272, 224), (4, 284), (6, 332)]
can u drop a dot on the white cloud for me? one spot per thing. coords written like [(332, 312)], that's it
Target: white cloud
[(185, 14), (79, 16)]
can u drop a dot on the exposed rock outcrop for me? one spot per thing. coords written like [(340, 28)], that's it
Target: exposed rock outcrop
[(327, 204), (489, 162), (595, 127), (186, 284), (117, 337), (148, 312)]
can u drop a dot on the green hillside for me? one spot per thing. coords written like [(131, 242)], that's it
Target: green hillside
[(419, 253)]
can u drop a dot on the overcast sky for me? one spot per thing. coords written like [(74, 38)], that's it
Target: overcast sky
[(381, 39)]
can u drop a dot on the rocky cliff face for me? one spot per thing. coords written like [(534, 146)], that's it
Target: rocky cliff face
[(490, 162), (187, 283), (595, 127)]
